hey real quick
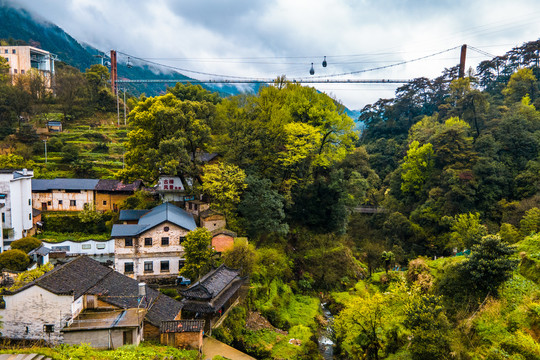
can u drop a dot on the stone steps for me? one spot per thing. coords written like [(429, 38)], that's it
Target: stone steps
[(23, 357)]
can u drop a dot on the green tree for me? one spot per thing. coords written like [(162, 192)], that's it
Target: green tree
[(26, 244), (14, 260), (198, 253), (430, 328), (166, 136), (530, 222), (4, 71), (387, 258), (193, 93), (96, 78), (89, 214), (521, 83), (224, 184), (70, 89), (489, 265), (417, 167), (467, 231), (241, 256), (509, 233), (262, 208)]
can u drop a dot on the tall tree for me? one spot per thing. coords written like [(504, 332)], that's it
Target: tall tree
[(198, 253)]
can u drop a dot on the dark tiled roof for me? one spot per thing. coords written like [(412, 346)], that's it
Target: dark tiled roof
[(41, 250), (84, 275), (223, 231), (126, 215), (212, 283), (177, 326), (35, 212), (118, 186), (204, 156), (63, 184), (159, 214), (215, 304)]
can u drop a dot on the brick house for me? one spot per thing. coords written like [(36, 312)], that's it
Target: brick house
[(148, 245), (222, 239), (85, 301), (186, 334)]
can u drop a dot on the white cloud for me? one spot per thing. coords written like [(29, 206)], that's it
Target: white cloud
[(270, 38)]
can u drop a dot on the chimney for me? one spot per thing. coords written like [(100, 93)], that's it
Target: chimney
[(142, 290)]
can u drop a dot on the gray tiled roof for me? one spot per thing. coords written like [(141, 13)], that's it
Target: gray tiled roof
[(159, 214), (178, 326), (126, 215), (84, 275), (212, 283), (63, 184)]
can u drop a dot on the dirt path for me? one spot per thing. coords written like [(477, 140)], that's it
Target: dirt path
[(212, 347)]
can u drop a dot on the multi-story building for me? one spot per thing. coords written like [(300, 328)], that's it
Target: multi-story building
[(15, 205), (148, 246), (22, 59)]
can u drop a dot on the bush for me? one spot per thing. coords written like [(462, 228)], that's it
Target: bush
[(14, 260), (26, 244)]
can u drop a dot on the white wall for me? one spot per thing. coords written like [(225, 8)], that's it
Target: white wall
[(31, 309), (76, 248), (18, 205)]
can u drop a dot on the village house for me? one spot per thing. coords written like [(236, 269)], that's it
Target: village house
[(22, 59), (100, 250), (209, 298), (187, 334), (15, 206), (148, 245), (73, 194), (212, 220), (84, 301)]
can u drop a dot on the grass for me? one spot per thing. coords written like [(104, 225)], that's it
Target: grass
[(129, 352)]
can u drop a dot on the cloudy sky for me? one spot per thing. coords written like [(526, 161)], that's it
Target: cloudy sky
[(267, 38)]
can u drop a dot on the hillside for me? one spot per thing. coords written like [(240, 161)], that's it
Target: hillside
[(19, 24)]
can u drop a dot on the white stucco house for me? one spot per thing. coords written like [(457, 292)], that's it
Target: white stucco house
[(15, 205)]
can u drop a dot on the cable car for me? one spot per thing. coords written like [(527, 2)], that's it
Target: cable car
[(312, 70), (324, 63), (129, 64)]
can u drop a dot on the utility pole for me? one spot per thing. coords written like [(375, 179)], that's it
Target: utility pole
[(114, 72), (125, 123), (45, 142), (462, 61), (118, 108)]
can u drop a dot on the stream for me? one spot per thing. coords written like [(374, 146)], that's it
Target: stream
[(326, 335)]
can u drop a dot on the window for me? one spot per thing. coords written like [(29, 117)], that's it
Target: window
[(48, 328), (6, 51), (128, 267), (164, 241), (22, 71), (30, 202), (59, 202), (100, 246), (148, 266), (147, 241), (13, 51), (128, 242), (190, 206), (30, 216), (104, 202), (166, 228), (165, 266), (3, 217), (72, 202), (182, 239), (86, 246), (15, 71), (49, 203), (181, 264)]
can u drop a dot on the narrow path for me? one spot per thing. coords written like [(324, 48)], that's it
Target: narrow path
[(213, 347), (23, 357)]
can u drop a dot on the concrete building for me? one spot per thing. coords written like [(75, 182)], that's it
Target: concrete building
[(16, 212), (151, 249), (22, 59), (85, 301)]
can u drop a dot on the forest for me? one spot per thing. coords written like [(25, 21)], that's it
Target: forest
[(416, 225)]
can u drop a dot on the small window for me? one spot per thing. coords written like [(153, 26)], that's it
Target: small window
[(182, 239), (128, 267), (147, 241), (86, 246), (148, 266), (72, 202), (190, 206), (166, 228), (22, 71), (164, 241), (30, 216), (100, 246), (59, 202), (30, 202), (6, 51), (194, 206), (165, 266), (3, 217), (13, 51), (128, 242), (104, 202), (181, 264), (15, 71), (48, 328)]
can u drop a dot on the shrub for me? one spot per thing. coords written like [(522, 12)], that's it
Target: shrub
[(26, 244), (14, 260)]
